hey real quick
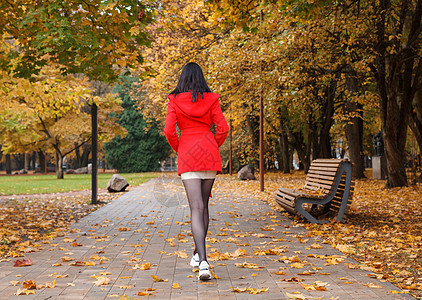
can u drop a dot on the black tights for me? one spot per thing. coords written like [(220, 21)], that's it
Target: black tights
[(198, 192)]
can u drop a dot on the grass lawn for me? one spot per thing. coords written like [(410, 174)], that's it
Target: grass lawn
[(40, 184)]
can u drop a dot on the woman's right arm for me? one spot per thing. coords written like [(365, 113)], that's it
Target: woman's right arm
[(170, 128), (222, 128)]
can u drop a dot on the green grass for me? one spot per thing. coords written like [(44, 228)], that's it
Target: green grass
[(40, 184)]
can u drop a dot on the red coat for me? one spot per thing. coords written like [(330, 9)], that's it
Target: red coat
[(197, 146)]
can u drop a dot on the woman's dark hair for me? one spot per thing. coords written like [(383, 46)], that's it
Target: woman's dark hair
[(192, 79)]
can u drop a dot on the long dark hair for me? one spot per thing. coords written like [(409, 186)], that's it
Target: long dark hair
[(192, 80)]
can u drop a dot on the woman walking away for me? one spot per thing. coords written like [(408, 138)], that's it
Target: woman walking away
[(194, 108)]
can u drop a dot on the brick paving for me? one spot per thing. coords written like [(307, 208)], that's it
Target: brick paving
[(150, 224)]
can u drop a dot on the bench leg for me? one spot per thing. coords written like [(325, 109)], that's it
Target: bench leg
[(307, 215), (348, 169)]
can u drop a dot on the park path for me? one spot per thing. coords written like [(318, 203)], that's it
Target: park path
[(149, 224)]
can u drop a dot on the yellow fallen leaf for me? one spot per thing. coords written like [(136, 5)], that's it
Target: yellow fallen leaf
[(105, 273), (145, 266), (372, 285), (146, 292), (175, 286), (308, 287), (66, 258), (296, 296), (181, 254), (24, 292), (248, 265), (102, 280), (156, 279), (297, 265), (399, 292), (306, 273)]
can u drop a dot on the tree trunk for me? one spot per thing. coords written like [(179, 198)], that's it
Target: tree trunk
[(285, 153), (41, 159), (19, 160), (85, 156), (33, 159), (59, 167), (8, 164), (327, 121), (354, 135), (354, 129), (416, 121), (396, 77), (303, 150)]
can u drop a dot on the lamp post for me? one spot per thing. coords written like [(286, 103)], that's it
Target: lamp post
[(94, 142), (261, 130)]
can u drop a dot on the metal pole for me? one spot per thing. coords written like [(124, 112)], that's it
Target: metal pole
[(261, 132), (230, 143), (94, 128), (261, 143)]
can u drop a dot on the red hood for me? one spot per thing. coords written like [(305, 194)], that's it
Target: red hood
[(194, 109)]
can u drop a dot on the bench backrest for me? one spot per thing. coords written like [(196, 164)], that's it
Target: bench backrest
[(322, 174)]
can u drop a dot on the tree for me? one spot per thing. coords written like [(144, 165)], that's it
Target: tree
[(381, 36), (52, 111), (93, 37), (397, 70), (143, 147)]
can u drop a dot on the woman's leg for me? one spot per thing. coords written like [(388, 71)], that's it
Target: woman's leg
[(206, 191), (193, 189)]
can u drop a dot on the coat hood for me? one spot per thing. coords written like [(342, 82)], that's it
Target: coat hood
[(183, 101)]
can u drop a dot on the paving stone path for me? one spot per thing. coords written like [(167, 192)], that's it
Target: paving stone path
[(150, 224)]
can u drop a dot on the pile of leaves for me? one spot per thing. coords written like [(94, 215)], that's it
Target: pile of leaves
[(26, 223), (382, 231)]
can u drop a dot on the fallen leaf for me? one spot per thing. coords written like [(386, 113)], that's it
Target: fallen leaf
[(29, 284), (23, 263), (102, 280), (145, 266), (146, 292), (24, 292), (296, 296), (156, 279)]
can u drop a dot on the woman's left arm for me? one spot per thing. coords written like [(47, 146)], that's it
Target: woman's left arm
[(170, 128)]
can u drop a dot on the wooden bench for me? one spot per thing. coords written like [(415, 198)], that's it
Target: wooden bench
[(328, 183)]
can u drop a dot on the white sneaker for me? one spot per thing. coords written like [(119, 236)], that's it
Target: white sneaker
[(204, 271), (194, 262)]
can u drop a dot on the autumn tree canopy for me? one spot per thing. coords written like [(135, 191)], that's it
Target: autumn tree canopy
[(331, 74), (97, 38), (50, 51)]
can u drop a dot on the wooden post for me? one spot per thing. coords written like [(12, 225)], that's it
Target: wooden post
[(230, 147), (94, 132), (261, 131), (45, 163)]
